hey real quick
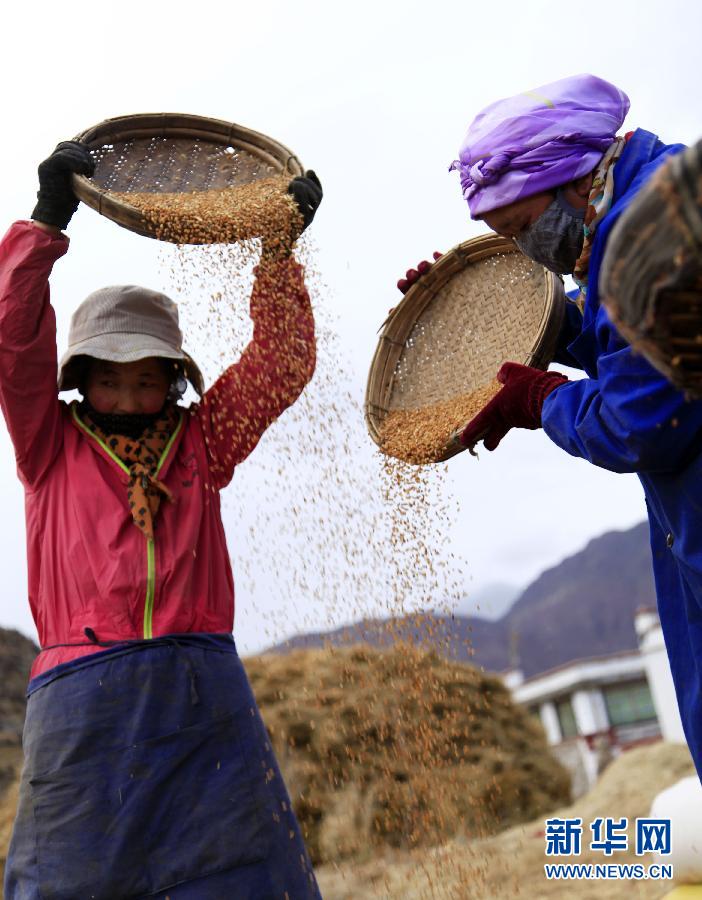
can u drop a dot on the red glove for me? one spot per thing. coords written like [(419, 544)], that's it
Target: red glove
[(413, 275), (517, 405)]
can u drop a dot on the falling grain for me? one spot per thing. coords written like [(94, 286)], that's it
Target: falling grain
[(330, 530)]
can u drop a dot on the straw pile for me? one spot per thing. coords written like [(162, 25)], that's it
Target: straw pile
[(10, 768), (399, 749)]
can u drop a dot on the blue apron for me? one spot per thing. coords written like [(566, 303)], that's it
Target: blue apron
[(149, 773)]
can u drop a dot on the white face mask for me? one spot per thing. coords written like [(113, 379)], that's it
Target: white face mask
[(555, 239)]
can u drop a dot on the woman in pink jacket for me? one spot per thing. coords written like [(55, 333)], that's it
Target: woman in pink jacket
[(148, 771)]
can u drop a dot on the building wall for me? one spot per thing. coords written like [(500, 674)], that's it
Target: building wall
[(590, 711), (549, 719), (580, 687), (660, 681)]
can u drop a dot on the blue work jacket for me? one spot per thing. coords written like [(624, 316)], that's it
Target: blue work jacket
[(627, 417)]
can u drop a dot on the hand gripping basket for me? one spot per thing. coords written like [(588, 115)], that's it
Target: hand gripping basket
[(172, 153), (481, 304)]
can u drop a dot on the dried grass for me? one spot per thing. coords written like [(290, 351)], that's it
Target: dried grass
[(400, 748)]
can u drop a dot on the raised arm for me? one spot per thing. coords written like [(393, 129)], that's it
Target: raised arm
[(629, 418), (28, 365), (280, 359), (271, 373), (28, 347)]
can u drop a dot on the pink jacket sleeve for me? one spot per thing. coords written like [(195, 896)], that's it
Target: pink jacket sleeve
[(270, 375), (28, 364)]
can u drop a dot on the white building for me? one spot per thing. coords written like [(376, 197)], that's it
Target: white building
[(592, 709)]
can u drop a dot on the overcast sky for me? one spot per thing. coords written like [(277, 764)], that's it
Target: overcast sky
[(376, 97)]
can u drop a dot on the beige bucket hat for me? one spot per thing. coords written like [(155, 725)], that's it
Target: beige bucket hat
[(122, 324)]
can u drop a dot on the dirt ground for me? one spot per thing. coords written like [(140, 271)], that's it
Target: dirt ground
[(510, 865)]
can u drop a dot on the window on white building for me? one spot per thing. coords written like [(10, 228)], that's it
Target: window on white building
[(566, 718), (630, 703)]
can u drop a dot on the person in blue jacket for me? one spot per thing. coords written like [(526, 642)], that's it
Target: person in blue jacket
[(547, 169)]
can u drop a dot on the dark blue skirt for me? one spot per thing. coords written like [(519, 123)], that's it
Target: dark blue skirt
[(148, 773)]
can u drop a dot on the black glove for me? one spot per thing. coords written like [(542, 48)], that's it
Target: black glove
[(56, 201), (307, 191)]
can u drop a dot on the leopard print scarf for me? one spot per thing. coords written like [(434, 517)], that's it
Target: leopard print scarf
[(141, 456), (598, 205)]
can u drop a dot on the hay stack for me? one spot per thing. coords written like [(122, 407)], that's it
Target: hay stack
[(400, 748)]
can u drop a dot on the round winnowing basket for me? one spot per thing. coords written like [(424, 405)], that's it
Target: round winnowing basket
[(651, 276), (173, 153), (481, 304)]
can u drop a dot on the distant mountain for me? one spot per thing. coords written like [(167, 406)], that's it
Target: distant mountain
[(492, 601), (582, 607), (586, 605)]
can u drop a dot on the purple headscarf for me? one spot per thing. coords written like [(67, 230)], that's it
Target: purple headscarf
[(538, 140)]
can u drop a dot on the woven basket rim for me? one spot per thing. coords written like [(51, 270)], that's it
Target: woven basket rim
[(399, 324), (186, 125)]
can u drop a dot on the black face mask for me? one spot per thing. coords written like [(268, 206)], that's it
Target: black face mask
[(131, 425), (555, 239)]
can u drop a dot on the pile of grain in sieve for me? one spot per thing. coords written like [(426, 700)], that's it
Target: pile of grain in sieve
[(262, 208), (422, 435)]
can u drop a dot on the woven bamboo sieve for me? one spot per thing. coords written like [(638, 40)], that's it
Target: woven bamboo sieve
[(651, 276), (671, 338), (172, 153), (481, 304)]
